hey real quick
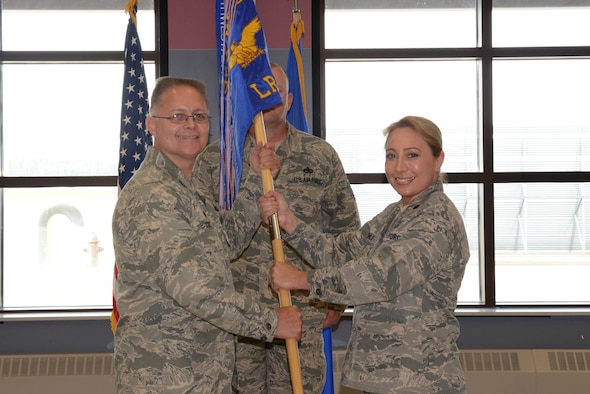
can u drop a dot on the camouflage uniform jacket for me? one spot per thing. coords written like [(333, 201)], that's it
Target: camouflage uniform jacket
[(314, 183), (176, 296), (402, 272), (313, 180)]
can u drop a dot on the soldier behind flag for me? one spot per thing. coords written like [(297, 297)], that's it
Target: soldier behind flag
[(176, 299), (313, 177)]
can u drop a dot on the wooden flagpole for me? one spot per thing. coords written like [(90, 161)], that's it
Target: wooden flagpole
[(279, 257)]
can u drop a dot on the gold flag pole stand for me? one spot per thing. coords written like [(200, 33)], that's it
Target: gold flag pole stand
[(296, 12), (279, 257)]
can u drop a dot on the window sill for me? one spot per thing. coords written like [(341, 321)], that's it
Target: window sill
[(523, 311), (54, 315), (510, 311), (464, 311)]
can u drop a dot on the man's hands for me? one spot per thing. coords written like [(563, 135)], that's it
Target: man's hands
[(331, 319), (263, 157), (289, 323), (274, 202)]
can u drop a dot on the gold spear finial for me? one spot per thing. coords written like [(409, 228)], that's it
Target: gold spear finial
[(131, 10)]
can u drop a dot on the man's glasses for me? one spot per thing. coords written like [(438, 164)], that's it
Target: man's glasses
[(182, 118)]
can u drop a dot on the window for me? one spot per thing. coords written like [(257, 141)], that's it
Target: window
[(62, 79), (507, 82)]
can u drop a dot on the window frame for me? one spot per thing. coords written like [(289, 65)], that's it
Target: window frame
[(159, 56), (485, 53)]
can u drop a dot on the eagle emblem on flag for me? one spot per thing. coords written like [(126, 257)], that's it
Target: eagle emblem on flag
[(247, 50)]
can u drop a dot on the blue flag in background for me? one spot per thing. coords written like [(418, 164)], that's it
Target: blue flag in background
[(298, 118), (297, 113), (329, 385), (247, 86)]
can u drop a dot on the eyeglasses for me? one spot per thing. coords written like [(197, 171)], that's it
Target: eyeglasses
[(182, 118)]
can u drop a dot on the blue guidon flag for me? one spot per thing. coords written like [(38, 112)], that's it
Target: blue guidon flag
[(247, 86)]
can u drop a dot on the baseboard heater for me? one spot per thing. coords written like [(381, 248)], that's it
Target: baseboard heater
[(487, 371), (515, 371)]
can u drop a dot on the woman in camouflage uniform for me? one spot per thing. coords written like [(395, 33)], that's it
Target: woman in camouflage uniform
[(401, 271)]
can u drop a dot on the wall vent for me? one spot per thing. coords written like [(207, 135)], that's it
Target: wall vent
[(487, 371), (56, 365), (504, 361), (566, 361), (514, 371)]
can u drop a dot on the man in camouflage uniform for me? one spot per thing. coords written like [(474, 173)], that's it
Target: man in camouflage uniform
[(402, 272), (177, 303), (313, 177)]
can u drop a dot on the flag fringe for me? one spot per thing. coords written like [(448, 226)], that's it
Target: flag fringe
[(114, 319), (297, 30)]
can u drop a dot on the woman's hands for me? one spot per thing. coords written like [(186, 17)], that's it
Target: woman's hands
[(284, 276)]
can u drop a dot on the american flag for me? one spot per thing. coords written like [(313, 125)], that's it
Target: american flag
[(135, 105), (134, 108)]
